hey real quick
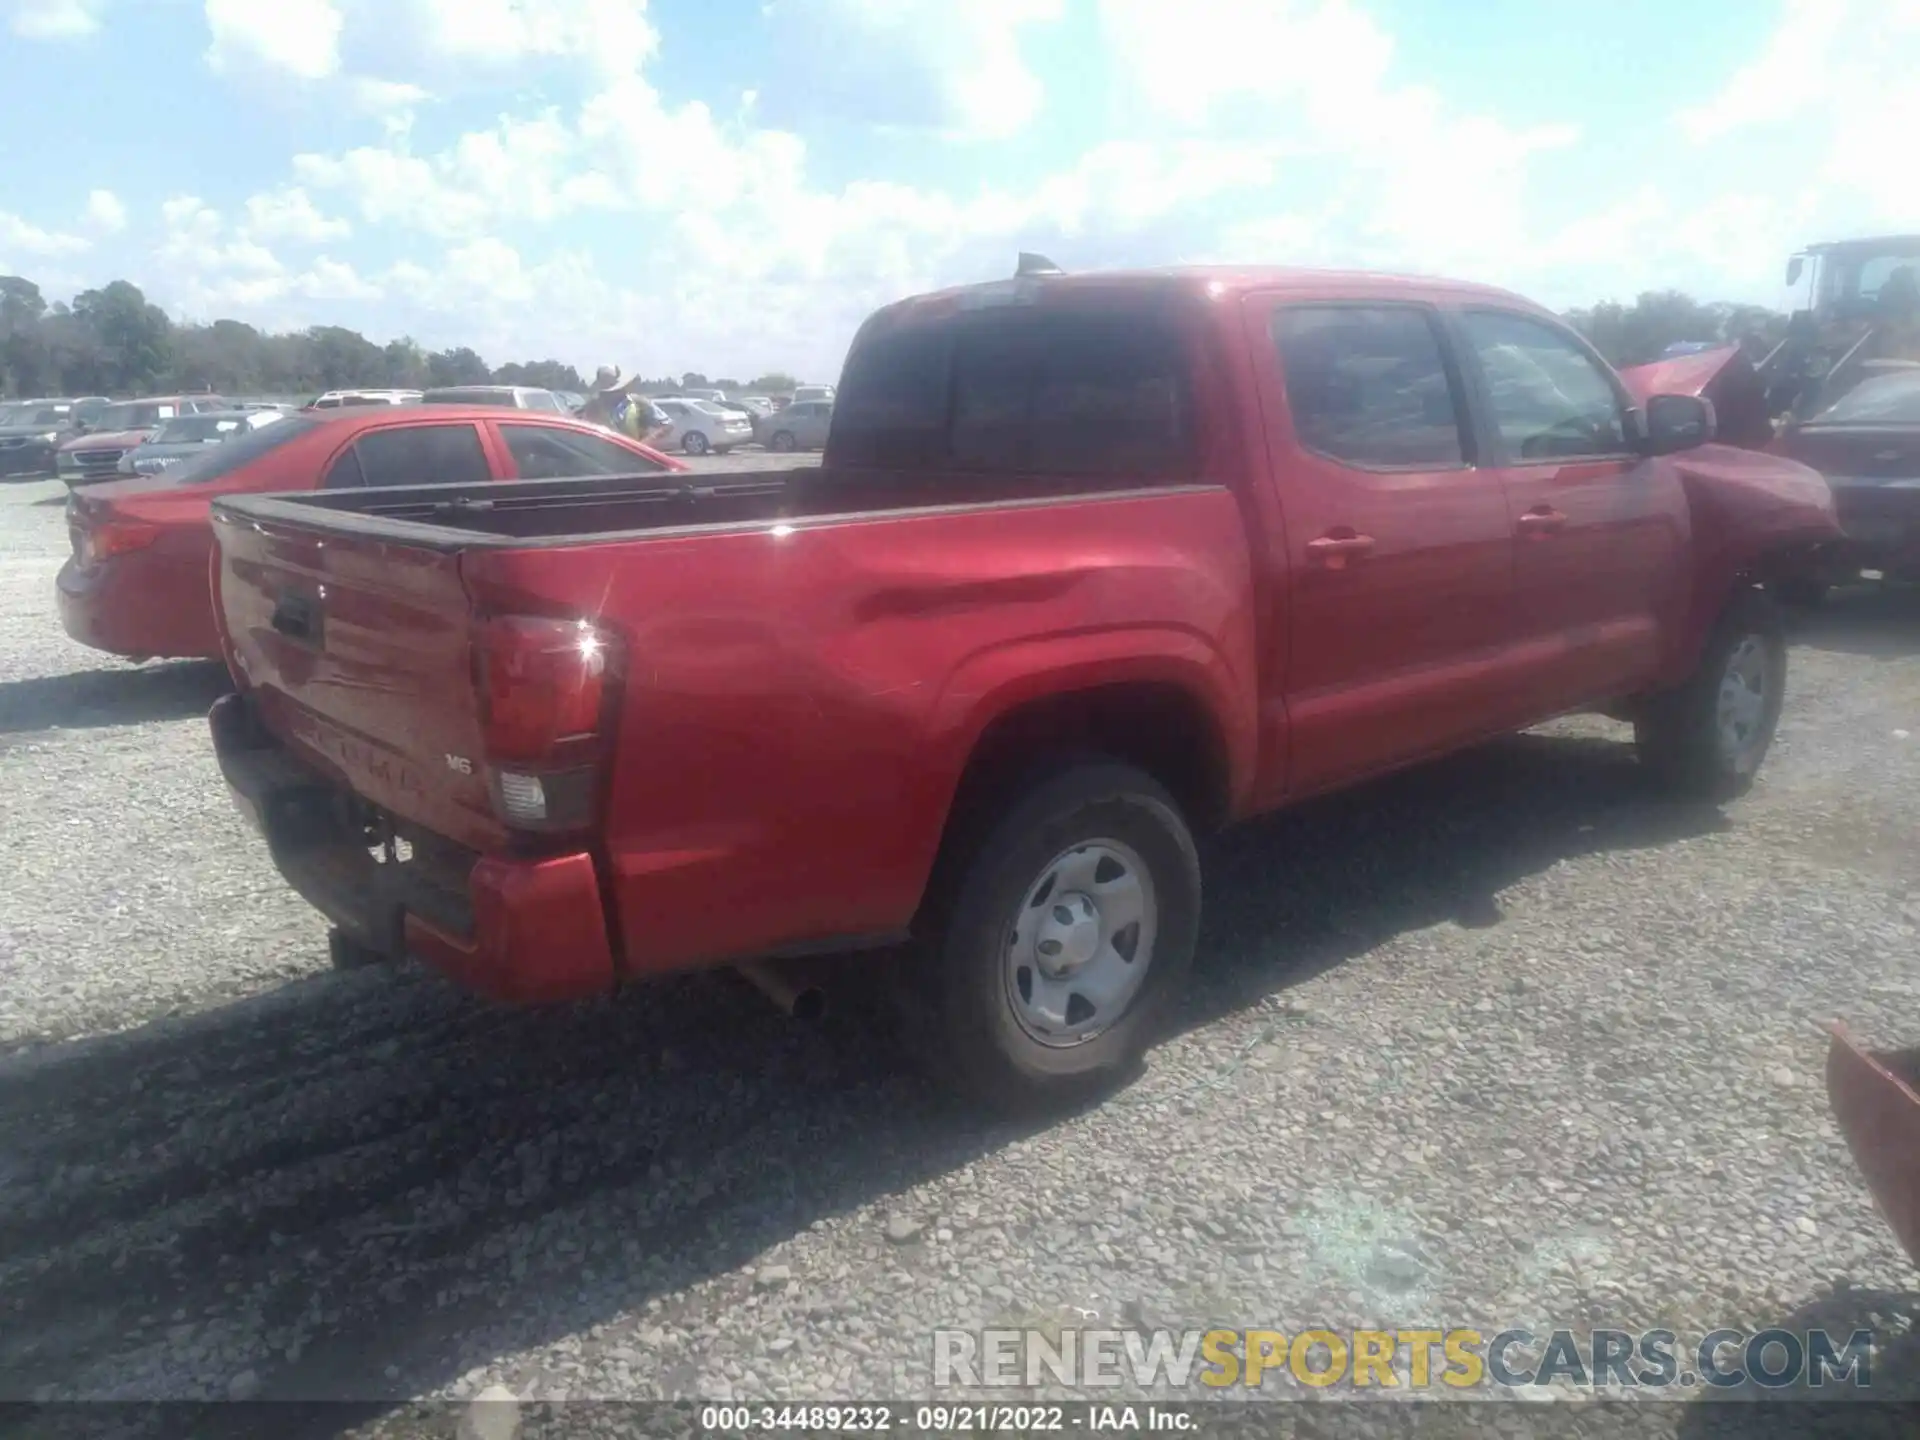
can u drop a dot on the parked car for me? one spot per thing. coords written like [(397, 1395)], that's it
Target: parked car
[(340, 399), (803, 425), (186, 437), (717, 397), (572, 400), (516, 397), (31, 434), (804, 393), (699, 426), (1092, 565), (1867, 443), (117, 428), (136, 584)]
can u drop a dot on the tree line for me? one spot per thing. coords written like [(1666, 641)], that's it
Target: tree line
[(114, 341)]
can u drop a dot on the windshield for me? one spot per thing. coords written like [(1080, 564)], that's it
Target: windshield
[(193, 429), (1882, 400), (224, 459), (51, 415), (127, 417)]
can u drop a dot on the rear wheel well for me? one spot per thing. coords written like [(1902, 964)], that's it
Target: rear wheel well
[(1163, 729)]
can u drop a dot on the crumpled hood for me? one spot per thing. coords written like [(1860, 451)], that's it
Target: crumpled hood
[(122, 438), (1750, 499), (1724, 377)]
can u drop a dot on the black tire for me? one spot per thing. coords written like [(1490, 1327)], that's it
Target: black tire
[(694, 443), (784, 441), (1799, 592), (1678, 732), (346, 953), (959, 987)]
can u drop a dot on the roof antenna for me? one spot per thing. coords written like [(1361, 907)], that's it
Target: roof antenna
[(1032, 264)]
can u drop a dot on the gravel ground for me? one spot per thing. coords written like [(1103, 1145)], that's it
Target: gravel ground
[(1507, 1041)]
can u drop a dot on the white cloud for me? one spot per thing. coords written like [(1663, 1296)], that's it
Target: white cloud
[(1792, 72), (329, 279), (56, 19), (930, 64), (289, 214), (299, 38), (105, 212), (18, 236)]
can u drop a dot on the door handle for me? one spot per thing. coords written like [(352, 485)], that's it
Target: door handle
[(1540, 521), (1333, 551)]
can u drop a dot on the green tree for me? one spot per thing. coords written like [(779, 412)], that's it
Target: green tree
[(25, 365), (776, 383), (546, 374), (133, 339), (457, 367), (406, 364)]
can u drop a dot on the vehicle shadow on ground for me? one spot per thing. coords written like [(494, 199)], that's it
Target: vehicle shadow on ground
[(1885, 1405), (88, 698), (1881, 622), (366, 1171)]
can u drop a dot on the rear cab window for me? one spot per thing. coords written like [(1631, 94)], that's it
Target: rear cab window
[(1043, 391), (1369, 385)]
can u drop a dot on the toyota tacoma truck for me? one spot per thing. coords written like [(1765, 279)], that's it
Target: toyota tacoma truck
[(1093, 565)]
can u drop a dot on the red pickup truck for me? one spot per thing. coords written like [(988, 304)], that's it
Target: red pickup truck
[(1093, 564)]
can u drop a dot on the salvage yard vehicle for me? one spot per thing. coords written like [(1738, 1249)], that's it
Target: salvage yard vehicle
[(95, 456), (1092, 565), (136, 583), (31, 434)]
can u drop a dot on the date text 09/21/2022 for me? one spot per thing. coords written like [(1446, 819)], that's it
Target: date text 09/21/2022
[(946, 1418)]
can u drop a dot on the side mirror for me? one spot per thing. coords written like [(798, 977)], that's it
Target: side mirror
[(1677, 422), (1794, 267)]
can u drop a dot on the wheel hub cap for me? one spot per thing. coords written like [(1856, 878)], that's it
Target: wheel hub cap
[(1081, 943), (1742, 703)]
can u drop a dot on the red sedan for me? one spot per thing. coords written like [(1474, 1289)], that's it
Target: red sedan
[(136, 584)]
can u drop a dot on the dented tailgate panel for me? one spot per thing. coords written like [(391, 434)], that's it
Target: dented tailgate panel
[(355, 652)]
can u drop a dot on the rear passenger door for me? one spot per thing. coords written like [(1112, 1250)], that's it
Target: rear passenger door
[(1398, 612), (1600, 531), (450, 454)]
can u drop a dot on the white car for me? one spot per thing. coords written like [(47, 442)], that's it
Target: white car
[(336, 399), (804, 393), (700, 426)]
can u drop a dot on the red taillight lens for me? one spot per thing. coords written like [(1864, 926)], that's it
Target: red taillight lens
[(541, 684), (116, 537)]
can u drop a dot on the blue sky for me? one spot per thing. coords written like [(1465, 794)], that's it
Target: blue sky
[(730, 185)]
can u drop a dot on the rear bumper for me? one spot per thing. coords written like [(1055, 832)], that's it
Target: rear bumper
[(516, 930), (127, 606)]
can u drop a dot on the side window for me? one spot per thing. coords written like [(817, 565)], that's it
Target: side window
[(543, 400), (546, 452), (344, 473), (1548, 398), (423, 455), (1367, 385)]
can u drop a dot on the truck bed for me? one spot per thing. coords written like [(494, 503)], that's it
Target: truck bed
[(535, 513)]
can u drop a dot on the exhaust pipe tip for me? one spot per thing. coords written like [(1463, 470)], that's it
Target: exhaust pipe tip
[(800, 999)]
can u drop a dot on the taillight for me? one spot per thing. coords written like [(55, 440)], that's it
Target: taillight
[(542, 687), (116, 537)]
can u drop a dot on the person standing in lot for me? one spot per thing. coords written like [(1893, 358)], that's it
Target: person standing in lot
[(614, 405)]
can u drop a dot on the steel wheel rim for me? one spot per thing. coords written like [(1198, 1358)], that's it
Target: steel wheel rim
[(1740, 711), (1081, 943)]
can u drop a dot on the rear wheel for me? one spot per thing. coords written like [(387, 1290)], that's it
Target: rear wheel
[(1064, 933), (1707, 737), (783, 441)]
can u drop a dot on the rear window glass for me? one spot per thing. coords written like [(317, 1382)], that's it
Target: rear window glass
[(1366, 385), (242, 449), (1077, 394)]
